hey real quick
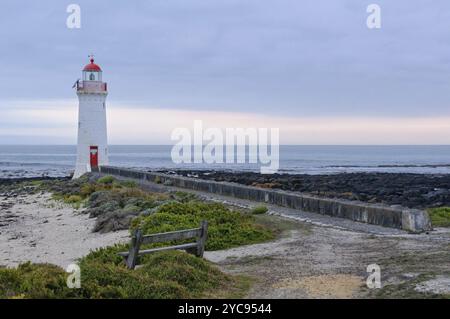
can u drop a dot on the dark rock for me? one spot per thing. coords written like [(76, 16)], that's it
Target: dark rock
[(409, 190)]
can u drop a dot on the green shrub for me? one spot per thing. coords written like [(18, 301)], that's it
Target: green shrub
[(129, 184), (34, 281), (166, 275), (195, 274), (184, 197), (108, 179), (157, 180), (73, 199), (440, 217), (106, 255), (259, 210), (171, 274), (87, 189), (36, 183), (226, 228)]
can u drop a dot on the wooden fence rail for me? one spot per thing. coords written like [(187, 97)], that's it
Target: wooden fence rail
[(197, 248)]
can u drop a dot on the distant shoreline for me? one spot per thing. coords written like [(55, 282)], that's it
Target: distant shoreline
[(59, 160)]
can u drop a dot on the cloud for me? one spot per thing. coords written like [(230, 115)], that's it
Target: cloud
[(309, 58), (55, 122)]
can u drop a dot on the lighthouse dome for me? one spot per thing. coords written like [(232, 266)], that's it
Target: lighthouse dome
[(92, 67)]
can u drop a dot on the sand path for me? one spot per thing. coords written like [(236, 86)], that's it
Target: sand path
[(39, 229)]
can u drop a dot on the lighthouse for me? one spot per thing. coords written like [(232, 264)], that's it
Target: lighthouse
[(92, 146)]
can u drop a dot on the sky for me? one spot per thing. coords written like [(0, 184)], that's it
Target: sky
[(311, 68)]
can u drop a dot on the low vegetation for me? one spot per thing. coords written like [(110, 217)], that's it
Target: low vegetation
[(122, 205), (440, 217), (164, 275), (226, 228), (259, 210)]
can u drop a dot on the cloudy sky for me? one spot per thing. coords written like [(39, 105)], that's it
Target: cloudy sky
[(310, 67)]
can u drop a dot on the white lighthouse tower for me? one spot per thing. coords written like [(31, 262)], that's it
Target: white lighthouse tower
[(92, 147)]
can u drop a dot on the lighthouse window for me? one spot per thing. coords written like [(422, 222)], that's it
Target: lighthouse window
[(92, 77)]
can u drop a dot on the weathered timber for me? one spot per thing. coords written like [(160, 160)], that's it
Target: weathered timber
[(197, 248)]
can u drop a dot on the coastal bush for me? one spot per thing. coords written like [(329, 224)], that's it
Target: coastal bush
[(129, 184), (184, 197), (116, 207), (226, 228), (72, 199), (34, 281), (259, 210), (440, 217), (108, 179), (165, 275), (170, 274)]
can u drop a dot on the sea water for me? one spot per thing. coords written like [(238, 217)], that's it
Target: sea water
[(59, 160)]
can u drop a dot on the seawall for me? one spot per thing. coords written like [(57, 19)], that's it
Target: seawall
[(412, 220)]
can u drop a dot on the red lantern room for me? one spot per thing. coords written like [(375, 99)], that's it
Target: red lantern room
[(91, 79), (92, 71)]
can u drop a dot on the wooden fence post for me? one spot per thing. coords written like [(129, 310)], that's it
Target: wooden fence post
[(134, 249), (201, 242)]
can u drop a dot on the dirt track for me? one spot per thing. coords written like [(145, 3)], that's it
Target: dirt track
[(323, 262), (318, 256)]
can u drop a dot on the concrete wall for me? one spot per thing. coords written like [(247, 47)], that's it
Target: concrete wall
[(397, 217)]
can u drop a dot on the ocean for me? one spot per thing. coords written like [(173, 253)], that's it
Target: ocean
[(59, 160)]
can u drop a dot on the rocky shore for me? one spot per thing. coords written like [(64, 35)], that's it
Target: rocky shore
[(408, 190)]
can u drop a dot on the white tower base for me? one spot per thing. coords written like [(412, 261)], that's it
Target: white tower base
[(91, 132)]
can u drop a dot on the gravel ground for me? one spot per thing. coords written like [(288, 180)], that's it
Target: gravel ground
[(318, 256)]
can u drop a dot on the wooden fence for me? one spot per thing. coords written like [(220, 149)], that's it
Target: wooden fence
[(197, 248)]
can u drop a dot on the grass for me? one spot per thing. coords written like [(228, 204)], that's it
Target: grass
[(76, 201), (258, 210), (440, 217), (35, 183), (108, 179), (165, 275), (33, 281), (226, 228)]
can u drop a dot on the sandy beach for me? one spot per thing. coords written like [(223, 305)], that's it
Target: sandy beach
[(39, 229)]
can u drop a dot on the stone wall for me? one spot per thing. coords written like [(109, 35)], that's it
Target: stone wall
[(397, 217)]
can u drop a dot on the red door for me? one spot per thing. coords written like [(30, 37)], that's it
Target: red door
[(94, 156)]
